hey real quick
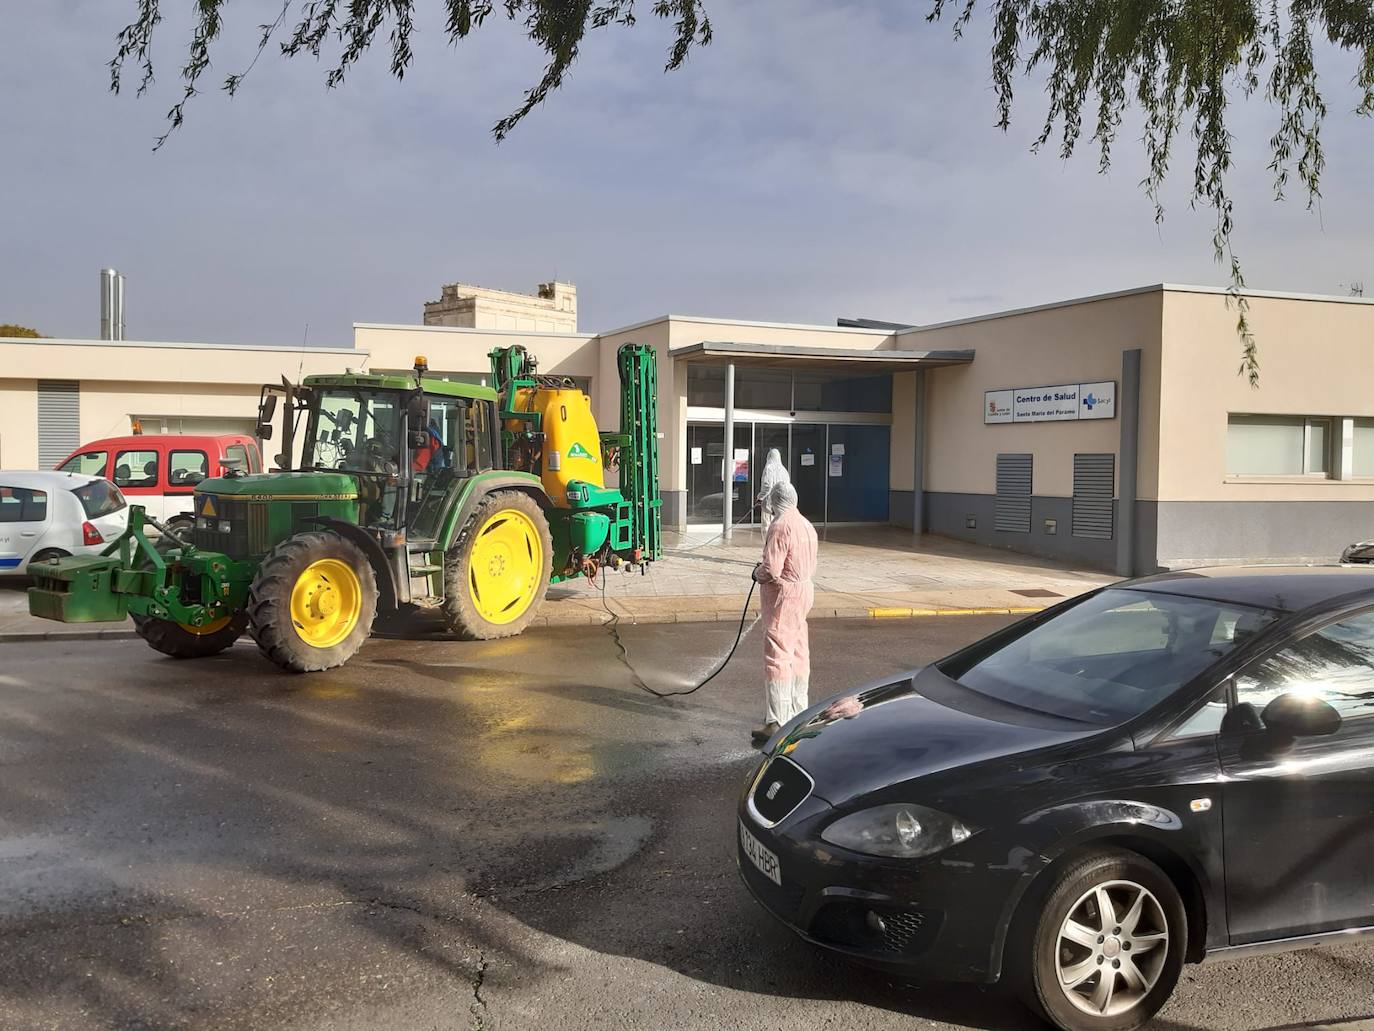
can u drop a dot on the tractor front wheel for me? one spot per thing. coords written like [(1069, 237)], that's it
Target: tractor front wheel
[(312, 604), (496, 574), (183, 641)]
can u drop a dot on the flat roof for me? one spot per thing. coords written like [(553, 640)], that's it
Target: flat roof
[(188, 345), (832, 357)]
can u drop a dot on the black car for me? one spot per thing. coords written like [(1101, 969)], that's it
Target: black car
[(1167, 769)]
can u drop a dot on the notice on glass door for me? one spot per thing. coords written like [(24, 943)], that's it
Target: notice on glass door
[(696, 456), (808, 458), (837, 465)]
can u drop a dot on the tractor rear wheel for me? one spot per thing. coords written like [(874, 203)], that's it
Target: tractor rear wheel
[(182, 640), (497, 573), (312, 603)]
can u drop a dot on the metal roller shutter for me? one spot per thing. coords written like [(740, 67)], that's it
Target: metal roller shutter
[(1013, 504), (1094, 478), (59, 420)]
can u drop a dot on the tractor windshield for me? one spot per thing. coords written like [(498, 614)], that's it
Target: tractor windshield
[(354, 429)]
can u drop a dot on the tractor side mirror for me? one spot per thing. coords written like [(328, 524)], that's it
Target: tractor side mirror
[(266, 410)]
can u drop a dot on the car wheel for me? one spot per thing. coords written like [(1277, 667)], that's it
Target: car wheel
[(1108, 945), (48, 554)]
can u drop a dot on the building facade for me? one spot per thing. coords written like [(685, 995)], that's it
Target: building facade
[(553, 309), (1109, 431)]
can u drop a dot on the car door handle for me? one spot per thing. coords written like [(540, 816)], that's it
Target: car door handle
[(28, 533)]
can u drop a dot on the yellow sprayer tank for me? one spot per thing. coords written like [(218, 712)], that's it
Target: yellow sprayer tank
[(572, 445)]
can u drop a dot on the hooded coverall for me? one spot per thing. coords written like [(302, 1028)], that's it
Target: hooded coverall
[(774, 473), (789, 563)]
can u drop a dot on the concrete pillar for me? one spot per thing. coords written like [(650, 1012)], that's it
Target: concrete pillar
[(918, 473), (727, 464), (1128, 455)]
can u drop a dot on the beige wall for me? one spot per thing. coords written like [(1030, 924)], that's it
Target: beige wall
[(902, 468), (18, 424), (451, 350), (1316, 358), (1069, 344), (158, 379)]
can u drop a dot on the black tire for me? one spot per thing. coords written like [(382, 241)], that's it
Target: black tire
[(269, 601), (47, 554), (173, 639), (180, 643), (460, 610), (1040, 954), (182, 525)]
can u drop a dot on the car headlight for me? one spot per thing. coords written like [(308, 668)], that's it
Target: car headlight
[(903, 831)]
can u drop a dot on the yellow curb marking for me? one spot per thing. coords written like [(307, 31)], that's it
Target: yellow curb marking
[(910, 613)]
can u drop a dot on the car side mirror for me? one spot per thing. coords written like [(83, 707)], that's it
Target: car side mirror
[(1293, 716)]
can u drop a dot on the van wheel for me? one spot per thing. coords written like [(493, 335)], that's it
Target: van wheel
[(313, 602), (495, 577), (1107, 948)]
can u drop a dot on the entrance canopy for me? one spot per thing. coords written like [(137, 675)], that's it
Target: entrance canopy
[(830, 358)]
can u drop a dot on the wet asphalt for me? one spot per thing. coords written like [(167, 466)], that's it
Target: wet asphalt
[(451, 835)]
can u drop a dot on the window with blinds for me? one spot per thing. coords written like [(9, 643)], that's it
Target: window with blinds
[(1012, 507), (1094, 482), (59, 420)]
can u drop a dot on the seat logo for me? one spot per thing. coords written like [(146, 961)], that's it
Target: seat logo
[(578, 451), (773, 789)]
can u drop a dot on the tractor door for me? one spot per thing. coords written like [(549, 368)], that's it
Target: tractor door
[(451, 439)]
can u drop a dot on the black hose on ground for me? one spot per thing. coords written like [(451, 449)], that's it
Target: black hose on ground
[(613, 626)]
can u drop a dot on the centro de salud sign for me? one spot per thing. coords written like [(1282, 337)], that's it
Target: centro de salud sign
[(1063, 403)]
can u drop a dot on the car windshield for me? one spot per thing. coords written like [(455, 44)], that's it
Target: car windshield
[(99, 498), (1110, 657)]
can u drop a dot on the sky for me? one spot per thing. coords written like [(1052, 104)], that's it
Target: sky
[(819, 159)]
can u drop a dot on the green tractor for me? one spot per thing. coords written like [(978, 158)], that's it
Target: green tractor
[(393, 491)]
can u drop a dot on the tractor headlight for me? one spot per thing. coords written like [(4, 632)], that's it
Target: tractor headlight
[(225, 526), (903, 831)]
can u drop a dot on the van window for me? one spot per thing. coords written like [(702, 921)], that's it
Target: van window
[(236, 457), (186, 468), (88, 463), (99, 498), (136, 469), (23, 505)]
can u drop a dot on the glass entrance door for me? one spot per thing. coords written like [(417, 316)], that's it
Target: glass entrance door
[(806, 463)]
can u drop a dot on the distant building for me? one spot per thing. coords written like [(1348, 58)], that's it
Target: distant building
[(464, 306)]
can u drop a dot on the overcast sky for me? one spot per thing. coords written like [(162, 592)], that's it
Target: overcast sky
[(819, 159)]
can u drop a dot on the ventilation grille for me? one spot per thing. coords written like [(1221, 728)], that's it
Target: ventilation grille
[(59, 420), (1094, 477), (1013, 508)]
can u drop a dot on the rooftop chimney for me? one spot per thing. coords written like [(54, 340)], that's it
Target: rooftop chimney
[(111, 305)]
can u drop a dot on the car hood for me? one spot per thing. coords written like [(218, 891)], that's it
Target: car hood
[(915, 727)]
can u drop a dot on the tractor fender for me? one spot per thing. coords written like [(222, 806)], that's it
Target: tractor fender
[(480, 487), (386, 580)]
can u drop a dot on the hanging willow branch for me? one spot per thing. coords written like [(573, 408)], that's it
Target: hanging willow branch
[(1179, 62), (556, 26)]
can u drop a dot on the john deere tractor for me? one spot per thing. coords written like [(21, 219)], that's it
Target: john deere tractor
[(393, 490)]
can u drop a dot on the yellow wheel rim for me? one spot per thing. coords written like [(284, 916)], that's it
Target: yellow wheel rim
[(505, 566), (326, 603), (212, 627)]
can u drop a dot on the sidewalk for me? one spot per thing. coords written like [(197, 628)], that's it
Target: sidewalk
[(862, 573)]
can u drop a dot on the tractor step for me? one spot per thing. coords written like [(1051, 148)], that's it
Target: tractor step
[(425, 570)]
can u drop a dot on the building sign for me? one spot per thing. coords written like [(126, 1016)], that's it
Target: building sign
[(1062, 403)]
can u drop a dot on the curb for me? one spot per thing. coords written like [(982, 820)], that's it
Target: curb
[(898, 613), (585, 618)]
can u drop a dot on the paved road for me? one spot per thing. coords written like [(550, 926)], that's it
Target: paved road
[(444, 835)]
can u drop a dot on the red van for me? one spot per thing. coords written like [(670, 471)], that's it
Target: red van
[(159, 471)]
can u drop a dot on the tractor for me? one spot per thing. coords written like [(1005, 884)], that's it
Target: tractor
[(393, 491)]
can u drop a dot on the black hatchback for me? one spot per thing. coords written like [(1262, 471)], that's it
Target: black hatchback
[(1168, 769)]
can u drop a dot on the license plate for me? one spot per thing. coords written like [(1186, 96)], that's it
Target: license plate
[(764, 859)]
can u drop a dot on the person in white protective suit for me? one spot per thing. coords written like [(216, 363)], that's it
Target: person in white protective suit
[(785, 574), (774, 473)]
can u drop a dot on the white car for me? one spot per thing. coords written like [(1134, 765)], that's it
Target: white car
[(50, 514)]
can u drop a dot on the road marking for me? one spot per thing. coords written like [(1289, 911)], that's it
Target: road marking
[(900, 613)]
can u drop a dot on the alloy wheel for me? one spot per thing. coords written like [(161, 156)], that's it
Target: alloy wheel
[(1112, 948)]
